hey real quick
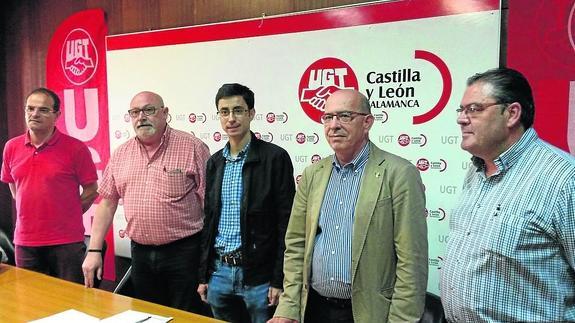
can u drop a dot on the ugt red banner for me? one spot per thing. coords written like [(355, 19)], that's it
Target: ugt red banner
[(76, 71)]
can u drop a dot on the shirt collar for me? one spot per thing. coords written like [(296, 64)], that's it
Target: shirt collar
[(509, 157), (358, 161), (52, 141), (241, 155)]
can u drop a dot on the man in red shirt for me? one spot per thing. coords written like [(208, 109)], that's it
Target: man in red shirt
[(45, 169), (160, 175)]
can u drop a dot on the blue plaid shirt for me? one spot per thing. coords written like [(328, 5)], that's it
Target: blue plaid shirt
[(511, 250), (331, 264), (229, 236)]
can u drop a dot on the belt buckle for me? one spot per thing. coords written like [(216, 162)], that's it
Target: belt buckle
[(232, 258)]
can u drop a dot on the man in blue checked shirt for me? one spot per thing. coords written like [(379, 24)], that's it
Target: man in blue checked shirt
[(249, 194), (356, 243), (511, 250)]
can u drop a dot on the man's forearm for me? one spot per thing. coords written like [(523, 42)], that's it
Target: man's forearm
[(102, 222), (88, 196)]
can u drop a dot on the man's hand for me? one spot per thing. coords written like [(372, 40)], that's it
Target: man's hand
[(91, 267), (274, 296), (281, 320), (203, 292)]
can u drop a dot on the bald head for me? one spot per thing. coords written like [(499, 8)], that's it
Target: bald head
[(352, 99), (147, 96)]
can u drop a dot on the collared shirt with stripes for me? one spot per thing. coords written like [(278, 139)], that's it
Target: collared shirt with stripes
[(331, 264), (229, 236), (511, 250)]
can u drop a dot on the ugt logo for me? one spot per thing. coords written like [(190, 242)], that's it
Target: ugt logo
[(320, 80), (79, 57)]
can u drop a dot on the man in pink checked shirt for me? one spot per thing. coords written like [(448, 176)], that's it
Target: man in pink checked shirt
[(160, 175)]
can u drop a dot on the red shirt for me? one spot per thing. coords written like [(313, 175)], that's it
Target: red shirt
[(163, 196), (48, 179)]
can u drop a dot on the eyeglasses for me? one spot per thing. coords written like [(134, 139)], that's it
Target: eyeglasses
[(475, 108), (343, 117), (148, 111), (41, 110), (238, 112)]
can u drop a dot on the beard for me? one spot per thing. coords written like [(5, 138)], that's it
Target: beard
[(146, 131)]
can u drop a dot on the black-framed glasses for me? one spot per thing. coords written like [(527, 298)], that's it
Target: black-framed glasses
[(475, 108), (41, 110), (238, 112), (148, 111), (343, 116)]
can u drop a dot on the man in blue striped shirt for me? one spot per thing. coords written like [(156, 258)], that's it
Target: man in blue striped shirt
[(511, 250), (356, 243)]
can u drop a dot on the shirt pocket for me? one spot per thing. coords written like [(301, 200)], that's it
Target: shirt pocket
[(174, 182), (505, 233)]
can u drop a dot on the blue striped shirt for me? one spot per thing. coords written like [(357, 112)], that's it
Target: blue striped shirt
[(229, 236), (511, 250), (331, 264)]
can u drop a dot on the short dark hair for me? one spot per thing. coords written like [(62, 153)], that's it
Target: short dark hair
[(509, 86), (233, 89), (50, 93)]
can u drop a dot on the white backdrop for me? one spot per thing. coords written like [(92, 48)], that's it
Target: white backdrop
[(376, 45)]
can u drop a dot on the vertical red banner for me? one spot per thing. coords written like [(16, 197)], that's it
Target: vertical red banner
[(76, 71), (541, 44)]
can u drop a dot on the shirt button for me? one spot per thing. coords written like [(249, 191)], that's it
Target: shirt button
[(340, 202), (331, 278), (337, 227), (333, 252), (344, 178)]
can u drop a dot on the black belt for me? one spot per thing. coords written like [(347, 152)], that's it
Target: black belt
[(194, 238), (331, 301), (233, 258)]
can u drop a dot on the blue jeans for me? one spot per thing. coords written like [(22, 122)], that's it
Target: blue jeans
[(227, 292)]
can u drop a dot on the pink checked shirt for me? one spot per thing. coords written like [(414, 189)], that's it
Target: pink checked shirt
[(163, 196)]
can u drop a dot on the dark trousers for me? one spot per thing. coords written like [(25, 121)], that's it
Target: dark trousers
[(319, 309), (167, 274), (62, 261)]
